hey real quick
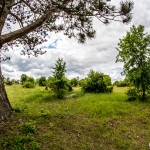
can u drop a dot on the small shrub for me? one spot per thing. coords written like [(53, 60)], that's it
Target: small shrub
[(28, 85), (27, 127)]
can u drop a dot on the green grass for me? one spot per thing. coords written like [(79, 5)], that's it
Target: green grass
[(82, 122)]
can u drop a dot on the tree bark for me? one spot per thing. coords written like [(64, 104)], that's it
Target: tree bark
[(5, 106)]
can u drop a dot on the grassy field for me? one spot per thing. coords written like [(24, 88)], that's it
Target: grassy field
[(78, 122)]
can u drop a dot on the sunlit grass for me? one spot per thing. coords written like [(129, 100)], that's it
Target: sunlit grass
[(88, 121)]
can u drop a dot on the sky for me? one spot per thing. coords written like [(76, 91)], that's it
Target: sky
[(98, 54)]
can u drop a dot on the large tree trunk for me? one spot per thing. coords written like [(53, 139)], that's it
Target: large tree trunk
[(5, 107)]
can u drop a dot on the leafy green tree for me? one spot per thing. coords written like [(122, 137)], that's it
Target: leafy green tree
[(97, 82), (33, 19), (74, 82), (31, 80), (27, 82), (81, 82), (23, 78), (42, 81), (134, 52), (59, 84)]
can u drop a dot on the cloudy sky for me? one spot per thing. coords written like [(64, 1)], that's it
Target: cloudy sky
[(98, 54)]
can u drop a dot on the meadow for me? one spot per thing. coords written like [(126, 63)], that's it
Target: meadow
[(78, 122)]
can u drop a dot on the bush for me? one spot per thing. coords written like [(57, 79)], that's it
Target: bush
[(60, 87), (109, 89), (81, 82), (74, 82), (61, 93), (97, 83), (132, 94), (59, 83), (28, 84), (42, 81)]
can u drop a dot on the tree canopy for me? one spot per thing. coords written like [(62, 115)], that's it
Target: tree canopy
[(134, 52)]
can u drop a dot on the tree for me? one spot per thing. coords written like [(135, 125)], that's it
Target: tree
[(59, 84), (134, 52), (97, 82), (23, 78), (29, 82), (33, 19), (74, 82), (42, 81), (31, 79)]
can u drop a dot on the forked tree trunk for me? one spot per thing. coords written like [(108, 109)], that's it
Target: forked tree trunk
[(5, 107)]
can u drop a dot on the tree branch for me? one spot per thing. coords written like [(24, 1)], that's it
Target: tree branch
[(18, 19), (21, 32), (5, 12)]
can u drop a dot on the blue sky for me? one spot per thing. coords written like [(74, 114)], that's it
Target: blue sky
[(98, 54)]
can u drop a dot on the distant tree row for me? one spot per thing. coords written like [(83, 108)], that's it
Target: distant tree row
[(123, 83), (95, 82)]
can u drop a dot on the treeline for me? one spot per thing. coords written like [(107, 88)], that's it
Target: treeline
[(95, 82)]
